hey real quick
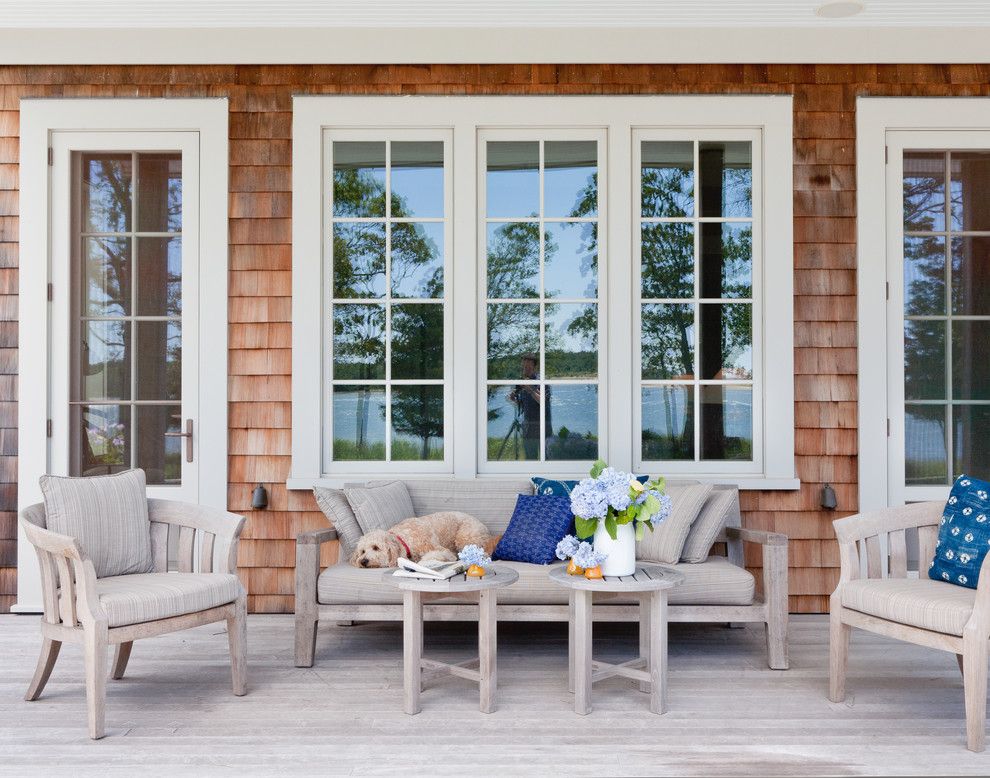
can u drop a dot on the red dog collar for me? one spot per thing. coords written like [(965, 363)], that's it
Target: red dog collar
[(404, 545)]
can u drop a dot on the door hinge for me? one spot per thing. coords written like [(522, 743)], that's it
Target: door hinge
[(886, 155), (51, 156), (888, 428), (48, 428), (51, 292), (886, 284)]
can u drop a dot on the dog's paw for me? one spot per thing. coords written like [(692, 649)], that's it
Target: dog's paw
[(440, 555)]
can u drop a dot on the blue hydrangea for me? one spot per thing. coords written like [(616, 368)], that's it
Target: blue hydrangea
[(666, 505), (567, 547), (474, 555), (585, 556), (588, 499)]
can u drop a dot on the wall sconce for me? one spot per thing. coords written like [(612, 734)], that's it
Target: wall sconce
[(829, 502), (259, 500)]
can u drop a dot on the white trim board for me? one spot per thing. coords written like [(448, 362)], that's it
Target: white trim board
[(875, 117), (39, 119)]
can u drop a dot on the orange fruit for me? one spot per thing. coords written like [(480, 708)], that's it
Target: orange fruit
[(476, 571), (593, 572), (573, 569)]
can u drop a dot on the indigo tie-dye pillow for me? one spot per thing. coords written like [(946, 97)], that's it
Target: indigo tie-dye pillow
[(964, 534), (538, 524)]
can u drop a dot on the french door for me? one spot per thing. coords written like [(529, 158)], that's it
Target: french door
[(938, 311), (125, 307)]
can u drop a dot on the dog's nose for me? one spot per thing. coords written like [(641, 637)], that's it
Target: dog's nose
[(364, 561)]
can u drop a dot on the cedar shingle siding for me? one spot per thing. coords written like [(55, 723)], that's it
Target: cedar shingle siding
[(260, 268)]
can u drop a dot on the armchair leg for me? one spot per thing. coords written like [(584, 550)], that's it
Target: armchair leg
[(306, 624), (49, 653), (95, 650), (237, 638), (838, 654), (975, 684), (121, 655)]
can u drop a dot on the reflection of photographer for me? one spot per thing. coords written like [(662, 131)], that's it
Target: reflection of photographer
[(527, 398)]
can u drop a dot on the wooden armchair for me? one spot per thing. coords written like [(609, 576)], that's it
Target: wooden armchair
[(875, 594), (98, 613)]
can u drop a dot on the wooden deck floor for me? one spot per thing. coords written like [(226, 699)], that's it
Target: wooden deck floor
[(729, 715)]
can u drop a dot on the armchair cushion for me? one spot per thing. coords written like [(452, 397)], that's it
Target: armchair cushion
[(963, 533), (133, 599), (918, 602), (107, 515)]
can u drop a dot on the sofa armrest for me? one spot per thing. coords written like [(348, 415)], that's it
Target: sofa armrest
[(308, 568), (316, 537), (758, 536)]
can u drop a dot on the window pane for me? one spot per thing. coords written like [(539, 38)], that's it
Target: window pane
[(970, 184), (417, 179), (106, 192), (159, 283), (159, 360), (726, 260), (417, 422), (570, 178), (513, 340), (970, 366), (417, 341), (727, 422), (105, 360), (358, 423), (971, 276), (358, 178), (106, 282), (668, 341), (417, 259), (160, 192), (571, 340), (925, 460), (668, 260), (726, 341), (924, 275), (513, 260), (570, 260), (514, 422), (103, 439), (726, 176), (513, 180), (667, 179), (924, 360), (358, 341), (970, 432), (159, 455), (358, 260), (924, 191), (668, 422), (572, 421)]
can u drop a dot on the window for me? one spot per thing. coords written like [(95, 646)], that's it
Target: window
[(595, 280)]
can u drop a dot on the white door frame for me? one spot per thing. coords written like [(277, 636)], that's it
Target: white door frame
[(875, 118), (39, 119)]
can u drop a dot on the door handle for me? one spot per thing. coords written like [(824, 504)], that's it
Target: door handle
[(188, 435)]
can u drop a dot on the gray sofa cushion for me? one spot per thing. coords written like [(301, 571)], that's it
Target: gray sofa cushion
[(380, 506), (665, 543), (107, 515), (335, 507), (715, 582), (721, 506)]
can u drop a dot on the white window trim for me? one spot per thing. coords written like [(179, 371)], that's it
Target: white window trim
[(620, 116), (875, 117), (39, 118)]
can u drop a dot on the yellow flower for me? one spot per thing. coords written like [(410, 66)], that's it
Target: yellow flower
[(636, 485)]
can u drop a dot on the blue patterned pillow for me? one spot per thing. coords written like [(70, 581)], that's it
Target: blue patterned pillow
[(964, 534), (562, 488), (538, 524)]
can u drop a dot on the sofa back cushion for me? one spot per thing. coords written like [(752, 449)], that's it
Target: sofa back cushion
[(720, 510), (666, 542), (107, 515), (380, 506), (491, 501), (333, 503), (963, 534)]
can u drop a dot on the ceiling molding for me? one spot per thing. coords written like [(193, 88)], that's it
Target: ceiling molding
[(321, 45)]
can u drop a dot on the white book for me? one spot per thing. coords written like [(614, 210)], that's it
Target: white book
[(436, 569)]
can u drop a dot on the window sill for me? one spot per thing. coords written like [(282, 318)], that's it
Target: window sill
[(748, 483)]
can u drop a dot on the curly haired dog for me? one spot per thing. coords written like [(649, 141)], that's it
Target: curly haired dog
[(437, 536)]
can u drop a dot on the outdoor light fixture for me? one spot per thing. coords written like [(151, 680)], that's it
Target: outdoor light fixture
[(259, 500), (829, 502), (839, 10)]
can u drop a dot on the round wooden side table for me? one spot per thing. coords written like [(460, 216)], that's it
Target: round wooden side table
[(651, 582), (483, 668)]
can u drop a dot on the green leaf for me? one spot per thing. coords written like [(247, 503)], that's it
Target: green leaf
[(650, 505), (596, 469), (639, 530), (611, 527), (585, 528)]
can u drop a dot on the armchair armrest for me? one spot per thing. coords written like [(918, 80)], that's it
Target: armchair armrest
[(316, 537), (757, 536)]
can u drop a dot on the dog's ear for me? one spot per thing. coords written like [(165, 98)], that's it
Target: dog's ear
[(394, 551), (355, 555)]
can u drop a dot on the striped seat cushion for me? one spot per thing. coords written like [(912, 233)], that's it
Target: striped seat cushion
[(133, 599), (715, 582), (918, 602)]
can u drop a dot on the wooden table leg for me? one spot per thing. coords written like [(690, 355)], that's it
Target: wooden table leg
[(570, 643), (658, 651), (582, 651), (412, 649), (487, 649), (644, 637)]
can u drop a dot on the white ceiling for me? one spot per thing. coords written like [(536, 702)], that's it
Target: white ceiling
[(481, 13)]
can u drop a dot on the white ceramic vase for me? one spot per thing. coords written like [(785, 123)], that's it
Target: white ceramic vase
[(621, 559)]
